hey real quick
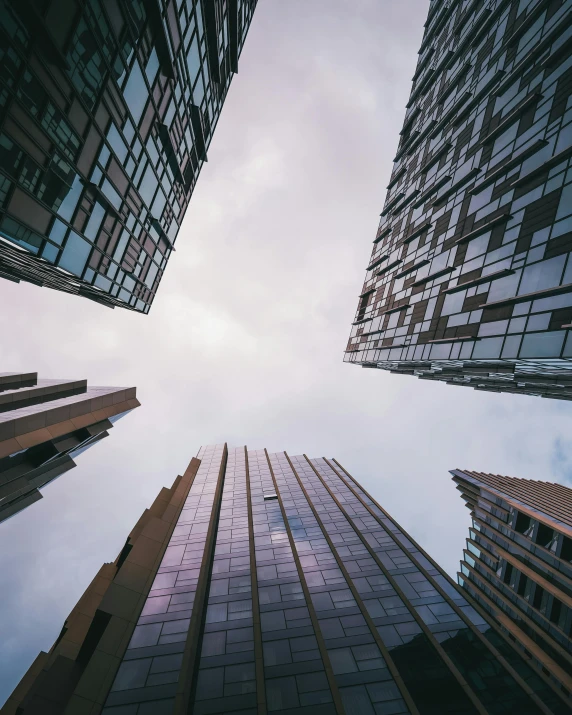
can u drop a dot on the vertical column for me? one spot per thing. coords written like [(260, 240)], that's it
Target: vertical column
[(296, 667), (227, 675), (256, 623), (161, 646)]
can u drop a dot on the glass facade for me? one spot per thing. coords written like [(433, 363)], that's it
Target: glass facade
[(107, 110), (470, 276), (44, 426), (518, 565), (283, 587)]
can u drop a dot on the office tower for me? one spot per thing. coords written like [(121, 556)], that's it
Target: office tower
[(44, 426), (470, 276), (517, 564), (280, 586), (107, 110)]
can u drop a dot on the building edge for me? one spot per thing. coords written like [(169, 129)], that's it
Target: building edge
[(78, 671)]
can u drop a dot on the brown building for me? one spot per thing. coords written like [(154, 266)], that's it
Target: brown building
[(268, 583), (518, 564), (44, 425)]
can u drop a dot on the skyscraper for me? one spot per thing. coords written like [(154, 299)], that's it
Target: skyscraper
[(517, 564), (470, 275), (107, 110), (44, 425), (279, 586)]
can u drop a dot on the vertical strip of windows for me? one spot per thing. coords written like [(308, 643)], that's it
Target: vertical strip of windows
[(277, 616), (258, 652), (226, 677), (209, 508), (314, 501)]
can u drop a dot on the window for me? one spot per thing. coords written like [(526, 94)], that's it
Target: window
[(566, 550), (152, 67), (94, 222), (117, 144), (132, 674), (522, 523), (193, 60), (135, 92), (282, 693), (540, 276), (544, 535), (17, 233), (69, 202), (148, 185)]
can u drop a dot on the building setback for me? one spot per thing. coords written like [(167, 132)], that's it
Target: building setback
[(470, 276), (267, 583), (517, 564), (107, 110), (44, 425)]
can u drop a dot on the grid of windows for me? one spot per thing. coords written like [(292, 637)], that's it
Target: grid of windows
[(518, 562), (101, 144), (285, 588), (470, 276)]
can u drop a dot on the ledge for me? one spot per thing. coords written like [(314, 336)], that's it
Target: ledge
[(478, 281), (510, 118), (389, 267), (405, 271), (417, 232), (546, 293), (394, 310), (377, 262), (434, 276), (461, 339), (484, 228), (383, 234), (508, 166)]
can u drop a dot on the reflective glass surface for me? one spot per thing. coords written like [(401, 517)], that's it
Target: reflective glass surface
[(285, 588), (477, 224), (105, 121)]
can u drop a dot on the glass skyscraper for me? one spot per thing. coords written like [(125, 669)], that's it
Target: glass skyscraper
[(45, 425), (107, 110), (470, 276), (518, 564), (264, 583)]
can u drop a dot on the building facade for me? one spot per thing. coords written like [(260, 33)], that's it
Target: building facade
[(44, 426), (470, 276), (276, 584), (107, 110), (517, 564)]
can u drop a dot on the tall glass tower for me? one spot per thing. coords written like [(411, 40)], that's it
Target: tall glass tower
[(107, 110), (264, 583), (470, 275)]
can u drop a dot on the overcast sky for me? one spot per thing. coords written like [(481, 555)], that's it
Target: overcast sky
[(245, 340)]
